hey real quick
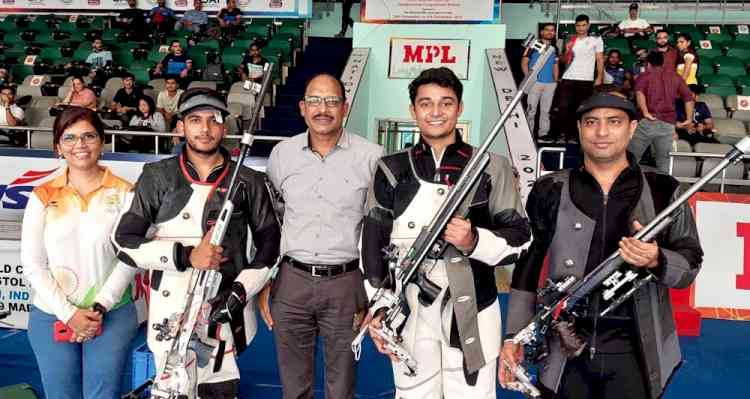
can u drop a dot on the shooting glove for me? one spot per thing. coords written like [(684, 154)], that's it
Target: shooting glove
[(229, 304)]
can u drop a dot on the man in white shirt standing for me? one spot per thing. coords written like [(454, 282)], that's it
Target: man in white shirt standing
[(583, 56), (633, 26)]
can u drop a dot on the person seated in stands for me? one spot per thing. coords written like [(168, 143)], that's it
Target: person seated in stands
[(252, 64), (195, 20), (133, 20), (702, 129), (615, 74), (166, 101), (176, 63), (98, 58), (125, 101), (78, 96), (147, 117), (11, 115), (5, 77), (162, 17), (634, 27), (229, 19), (639, 66)]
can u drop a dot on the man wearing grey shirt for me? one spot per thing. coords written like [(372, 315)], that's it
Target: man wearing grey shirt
[(323, 176)]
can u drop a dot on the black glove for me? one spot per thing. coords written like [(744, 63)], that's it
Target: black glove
[(227, 305)]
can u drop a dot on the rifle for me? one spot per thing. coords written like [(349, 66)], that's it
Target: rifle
[(560, 298), (393, 305), (172, 379)]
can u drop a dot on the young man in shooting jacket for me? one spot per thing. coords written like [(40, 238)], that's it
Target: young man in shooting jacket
[(581, 216), (167, 230), (456, 338)]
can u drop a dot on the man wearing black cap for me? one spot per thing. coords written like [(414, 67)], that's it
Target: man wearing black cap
[(579, 217), (167, 228)]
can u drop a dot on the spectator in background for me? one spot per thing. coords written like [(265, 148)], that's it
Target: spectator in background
[(544, 90), (584, 59), (656, 92), (229, 19), (195, 20), (166, 101), (147, 116), (615, 74), (133, 20), (346, 17), (125, 101), (162, 17), (639, 66), (670, 53), (687, 62), (78, 96), (5, 76), (251, 67), (702, 128), (176, 63), (12, 114), (99, 57), (634, 27)]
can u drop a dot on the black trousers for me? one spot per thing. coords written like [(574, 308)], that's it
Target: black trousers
[(607, 376), (570, 94), (346, 19)]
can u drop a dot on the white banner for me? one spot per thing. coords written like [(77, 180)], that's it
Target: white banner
[(425, 11), (409, 57), (722, 288), (260, 8)]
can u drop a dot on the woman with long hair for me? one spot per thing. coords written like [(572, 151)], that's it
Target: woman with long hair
[(687, 62), (148, 117), (83, 317)]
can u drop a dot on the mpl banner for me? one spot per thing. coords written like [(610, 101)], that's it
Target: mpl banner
[(409, 57), (421, 11), (722, 288), (268, 8)]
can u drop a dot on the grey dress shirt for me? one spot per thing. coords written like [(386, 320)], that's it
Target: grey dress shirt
[(324, 196)]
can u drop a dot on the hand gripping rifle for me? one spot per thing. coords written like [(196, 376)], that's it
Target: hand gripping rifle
[(390, 300), (172, 380), (619, 283)]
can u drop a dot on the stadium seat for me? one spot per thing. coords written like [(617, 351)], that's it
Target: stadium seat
[(739, 50), (140, 72), (743, 83), (683, 166), (113, 83), (740, 115), (231, 61), (729, 65), (705, 55), (27, 90), (34, 115), (715, 105), (157, 84), (202, 83), (735, 171), (729, 131)]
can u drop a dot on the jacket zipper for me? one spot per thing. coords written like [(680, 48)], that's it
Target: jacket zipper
[(597, 298)]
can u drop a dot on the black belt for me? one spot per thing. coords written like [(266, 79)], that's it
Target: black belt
[(322, 270)]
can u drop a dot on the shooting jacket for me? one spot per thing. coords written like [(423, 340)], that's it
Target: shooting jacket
[(495, 211), (564, 232), (172, 210)]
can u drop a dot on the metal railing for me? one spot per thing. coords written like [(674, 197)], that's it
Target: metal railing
[(723, 181), (114, 133)]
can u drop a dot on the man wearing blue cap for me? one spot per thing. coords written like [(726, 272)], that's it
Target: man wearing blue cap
[(579, 217)]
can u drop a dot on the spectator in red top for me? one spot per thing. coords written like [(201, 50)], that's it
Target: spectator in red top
[(668, 51), (656, 92)]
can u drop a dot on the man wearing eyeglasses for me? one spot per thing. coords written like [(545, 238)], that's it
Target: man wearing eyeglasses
[(322, 175)]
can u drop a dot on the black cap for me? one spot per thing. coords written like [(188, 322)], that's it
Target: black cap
[(633, 6), (200, 98), (606, 100)]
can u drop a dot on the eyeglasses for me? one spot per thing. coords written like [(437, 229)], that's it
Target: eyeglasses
[(316, 101), (70, 139)]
